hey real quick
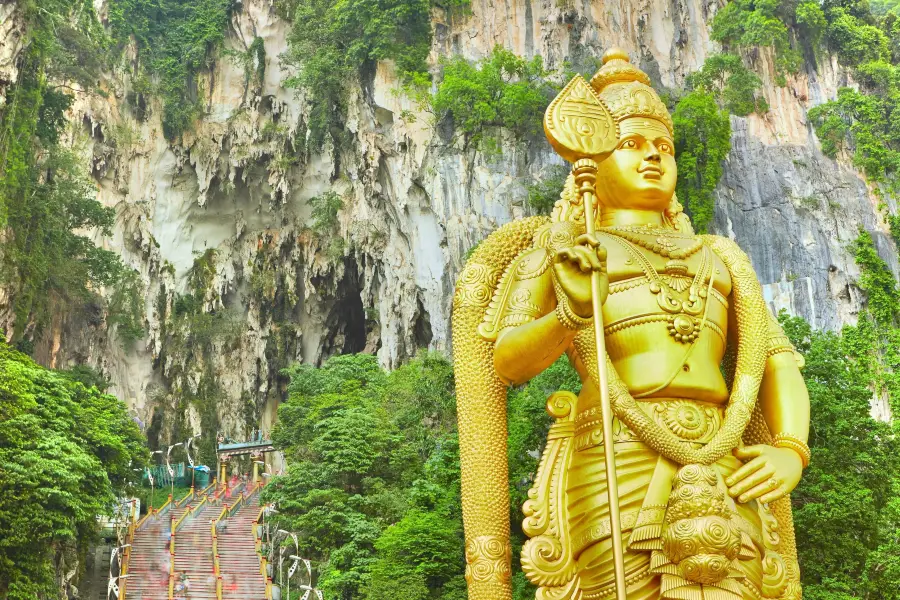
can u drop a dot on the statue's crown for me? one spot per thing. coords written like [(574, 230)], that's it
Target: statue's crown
[(626, 90)]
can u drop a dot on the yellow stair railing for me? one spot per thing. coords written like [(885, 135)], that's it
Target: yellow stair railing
[(126, 551), (263, 567)]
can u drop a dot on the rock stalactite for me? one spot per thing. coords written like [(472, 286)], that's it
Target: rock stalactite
[(232, 201)]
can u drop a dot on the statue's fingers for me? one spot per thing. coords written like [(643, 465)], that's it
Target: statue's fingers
[(748, 482), (564, 255), (766, 486), (751, 467), (776, 494), (748, 452), (587, 239), (596, 263), (581, 258), (601, 253)]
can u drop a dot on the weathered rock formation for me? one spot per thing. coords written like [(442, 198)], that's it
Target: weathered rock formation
[(228, 205)]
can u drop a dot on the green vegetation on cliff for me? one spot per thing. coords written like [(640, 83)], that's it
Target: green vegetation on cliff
[(847, 506), (503, 91), (702, 142), (47, 199), (175, 40), (333, 43), (67, 452)]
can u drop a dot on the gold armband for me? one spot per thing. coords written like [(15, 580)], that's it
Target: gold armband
[(565, 314), (786, 440)]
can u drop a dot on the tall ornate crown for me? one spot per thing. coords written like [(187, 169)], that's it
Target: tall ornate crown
[(626, 91)]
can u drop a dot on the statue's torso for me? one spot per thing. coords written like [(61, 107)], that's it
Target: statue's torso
[(649, 359)]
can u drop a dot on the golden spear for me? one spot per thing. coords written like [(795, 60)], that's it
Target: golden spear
[(582, 130)]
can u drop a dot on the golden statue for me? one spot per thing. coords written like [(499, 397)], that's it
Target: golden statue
[(707, 414)]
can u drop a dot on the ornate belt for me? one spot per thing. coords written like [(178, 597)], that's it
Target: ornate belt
[(690, 420)]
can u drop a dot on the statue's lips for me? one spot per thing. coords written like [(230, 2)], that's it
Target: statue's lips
[(651, 172)]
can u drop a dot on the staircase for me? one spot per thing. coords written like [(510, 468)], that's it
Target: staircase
[(193, 556), (194, 573), (238, 560), (148, 567)]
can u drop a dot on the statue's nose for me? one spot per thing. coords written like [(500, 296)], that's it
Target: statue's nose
[(652, 152)]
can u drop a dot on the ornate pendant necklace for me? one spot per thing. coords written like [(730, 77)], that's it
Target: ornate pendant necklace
[(663, 245), (684, 324)]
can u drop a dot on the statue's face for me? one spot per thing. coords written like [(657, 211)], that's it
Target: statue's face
[(641, 172)]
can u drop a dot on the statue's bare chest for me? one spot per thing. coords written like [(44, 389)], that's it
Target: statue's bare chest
[(676, 281)]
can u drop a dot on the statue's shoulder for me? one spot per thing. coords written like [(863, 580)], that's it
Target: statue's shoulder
[(726, 248), (555, 235), (490, 259)]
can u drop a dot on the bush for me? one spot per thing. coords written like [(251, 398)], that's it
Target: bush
[(66, 453), (544, 193), (731, 83), (331, 42), (502, 91), (702, 142), (854, 41), (757, 23), (175, 39)]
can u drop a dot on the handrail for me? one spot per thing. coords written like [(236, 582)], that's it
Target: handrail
[(126, 552), (262, 559), (166, 505), (189, 496), (217, 569), (190, 511)]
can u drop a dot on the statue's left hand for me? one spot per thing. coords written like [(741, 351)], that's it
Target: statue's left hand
[(770, 473)]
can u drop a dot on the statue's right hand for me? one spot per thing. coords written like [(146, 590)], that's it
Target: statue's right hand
[(572, 268)]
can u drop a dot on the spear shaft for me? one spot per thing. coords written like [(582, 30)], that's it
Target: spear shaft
[(585, 171)]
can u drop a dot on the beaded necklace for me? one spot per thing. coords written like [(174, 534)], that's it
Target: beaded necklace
[(663, 246)]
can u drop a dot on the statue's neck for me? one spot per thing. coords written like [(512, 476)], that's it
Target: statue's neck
[(613, 217)]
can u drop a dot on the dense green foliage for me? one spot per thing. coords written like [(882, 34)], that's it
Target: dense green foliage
[(175, 40), (373, 476), (66, 453), (702, 141), (47, 200), (373, 480), (732, 84), (847, 506), (500, 91), (544, 193), (765, 23), (332, 42), (721, 87)]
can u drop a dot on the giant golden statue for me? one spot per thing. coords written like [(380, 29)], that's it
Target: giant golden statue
[(707, 414)]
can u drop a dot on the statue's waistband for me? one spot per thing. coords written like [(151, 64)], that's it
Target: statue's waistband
[(689, 420)]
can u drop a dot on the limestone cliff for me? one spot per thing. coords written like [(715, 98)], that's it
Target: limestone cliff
[(223, 216)]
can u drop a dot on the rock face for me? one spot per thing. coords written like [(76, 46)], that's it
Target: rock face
[(224, 216)]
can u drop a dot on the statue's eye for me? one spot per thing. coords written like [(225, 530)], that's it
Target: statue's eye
[(630, 144), (666, 148)]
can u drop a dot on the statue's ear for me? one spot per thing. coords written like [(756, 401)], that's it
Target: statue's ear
[(676, 218)]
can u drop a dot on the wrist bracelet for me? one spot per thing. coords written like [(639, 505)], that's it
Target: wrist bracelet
[(567, 317), (786, 440)]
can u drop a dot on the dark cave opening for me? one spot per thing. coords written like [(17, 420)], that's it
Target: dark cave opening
[(422, 333), (345, 326), (351, 312)]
